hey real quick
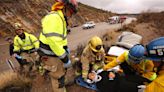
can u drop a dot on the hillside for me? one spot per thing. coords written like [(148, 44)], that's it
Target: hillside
[(149, 25), (156, 20), (30, 13)]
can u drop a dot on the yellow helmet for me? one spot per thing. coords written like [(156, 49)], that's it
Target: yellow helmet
[(18, 26), (96, 44)]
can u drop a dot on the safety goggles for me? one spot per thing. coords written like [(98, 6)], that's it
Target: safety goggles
[(98, 47), (134, 59)]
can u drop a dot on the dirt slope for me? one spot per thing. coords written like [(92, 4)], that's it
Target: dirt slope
[(150, 26), (30, 13)]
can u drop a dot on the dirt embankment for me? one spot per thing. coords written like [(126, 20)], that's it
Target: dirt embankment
[(150, 26), (155, 23), (30, 13), (27, 12)]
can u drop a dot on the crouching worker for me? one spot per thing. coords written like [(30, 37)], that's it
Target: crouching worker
[(137, 69), (53, 42), (92, 58), (25, 45)]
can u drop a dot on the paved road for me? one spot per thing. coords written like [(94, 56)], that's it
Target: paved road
[(79, 36)]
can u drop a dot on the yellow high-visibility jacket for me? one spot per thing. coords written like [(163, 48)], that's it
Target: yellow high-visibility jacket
[(88, 58), (156, 85), (30, 42), (54, 32), (145, 67)]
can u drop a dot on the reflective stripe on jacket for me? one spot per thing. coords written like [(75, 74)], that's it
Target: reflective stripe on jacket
[(145, 67), (54, 32), (28, 43)]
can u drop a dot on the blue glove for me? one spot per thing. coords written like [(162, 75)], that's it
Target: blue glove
[(68, 64), (18, 56)]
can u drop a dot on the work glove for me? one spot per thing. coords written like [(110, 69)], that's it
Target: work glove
[(141, 88), (17, 56)]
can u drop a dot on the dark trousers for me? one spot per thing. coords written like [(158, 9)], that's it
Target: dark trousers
[(132, 75), (119, 84)]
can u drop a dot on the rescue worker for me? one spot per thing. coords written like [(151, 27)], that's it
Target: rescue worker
[(92, 57), (136, 68), (25, 45), (156, 85), (53, 50), (156, 45)]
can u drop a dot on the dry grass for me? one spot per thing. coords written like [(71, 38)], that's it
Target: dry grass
[(156, 19), (10, 78)]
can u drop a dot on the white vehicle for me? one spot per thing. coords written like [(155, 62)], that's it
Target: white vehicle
[(113, 20), (117, 19), (89, 25)]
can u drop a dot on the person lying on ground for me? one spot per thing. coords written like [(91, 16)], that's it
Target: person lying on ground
[(136, 68)]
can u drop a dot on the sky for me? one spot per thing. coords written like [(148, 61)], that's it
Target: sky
[(126, 6)]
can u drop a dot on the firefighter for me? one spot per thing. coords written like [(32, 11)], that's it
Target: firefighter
[(25, 47), (92, 58), (53, 50), (136, 68), (155, 52)]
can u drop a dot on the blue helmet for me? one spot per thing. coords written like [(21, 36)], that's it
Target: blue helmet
[(136, 53), (155, 49)]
